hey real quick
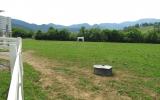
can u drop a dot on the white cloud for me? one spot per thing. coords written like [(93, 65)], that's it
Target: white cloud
[(79, 11)]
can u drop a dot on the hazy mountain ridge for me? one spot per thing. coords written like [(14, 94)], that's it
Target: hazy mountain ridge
[(76, 27)]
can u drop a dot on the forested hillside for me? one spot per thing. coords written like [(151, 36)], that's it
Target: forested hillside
[(139, 33)]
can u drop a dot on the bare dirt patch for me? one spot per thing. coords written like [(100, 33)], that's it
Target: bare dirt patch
[(4, 55), (41, 65), (48, 76), (4, 63)]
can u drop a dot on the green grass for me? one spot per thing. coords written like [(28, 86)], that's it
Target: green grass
[(32, 86), (4, 83), (3, 50), (139, 60), (143, 59), (4, 80)]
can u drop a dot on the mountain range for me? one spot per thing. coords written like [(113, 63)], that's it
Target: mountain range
[(76, 27)]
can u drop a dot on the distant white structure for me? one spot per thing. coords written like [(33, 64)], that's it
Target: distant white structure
[(80, 39), (5, 26)]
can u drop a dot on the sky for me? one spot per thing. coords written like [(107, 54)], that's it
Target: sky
[(68, 12)]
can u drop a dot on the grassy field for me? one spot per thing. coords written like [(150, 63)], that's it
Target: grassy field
[(135, 66), (63, 71), (4, 81), (32, 86)]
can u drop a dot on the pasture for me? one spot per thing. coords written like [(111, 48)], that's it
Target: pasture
[(63, 70), (135, 67), (4, 80), (32, 88)]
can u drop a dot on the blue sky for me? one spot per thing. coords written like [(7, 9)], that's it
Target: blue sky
[(67, 12)]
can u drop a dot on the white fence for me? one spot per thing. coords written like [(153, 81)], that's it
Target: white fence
[(16, 66)]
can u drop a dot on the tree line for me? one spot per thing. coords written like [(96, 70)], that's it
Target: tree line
[(128, 34)]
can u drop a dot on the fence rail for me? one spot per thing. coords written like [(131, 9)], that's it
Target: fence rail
[(16, 66)]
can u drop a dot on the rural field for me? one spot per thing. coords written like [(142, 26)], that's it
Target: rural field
[(59, 70), (4, 80)]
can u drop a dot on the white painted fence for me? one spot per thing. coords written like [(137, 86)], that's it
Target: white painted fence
[(16, 65)]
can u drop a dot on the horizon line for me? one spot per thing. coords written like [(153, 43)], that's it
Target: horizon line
[(86, 22)]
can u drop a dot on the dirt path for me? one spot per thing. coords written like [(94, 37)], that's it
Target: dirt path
[(4, 55), (48, 76), (4, 64)]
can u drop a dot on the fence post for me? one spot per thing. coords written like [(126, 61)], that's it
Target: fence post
[(13, 54), (18, 42)]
